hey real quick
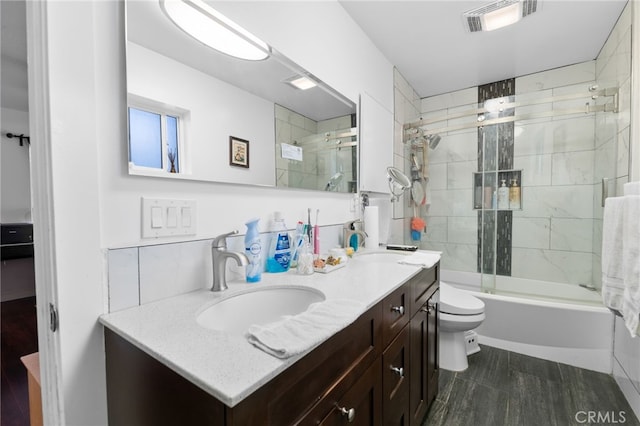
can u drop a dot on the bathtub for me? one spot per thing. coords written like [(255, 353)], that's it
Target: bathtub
[(574, 333)]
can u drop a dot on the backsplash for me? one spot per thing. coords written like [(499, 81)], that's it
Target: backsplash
[(139, 275)]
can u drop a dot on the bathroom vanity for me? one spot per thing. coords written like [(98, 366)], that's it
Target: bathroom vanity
[(381, 369)]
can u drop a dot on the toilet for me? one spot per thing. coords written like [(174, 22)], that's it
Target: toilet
[(458, 312)]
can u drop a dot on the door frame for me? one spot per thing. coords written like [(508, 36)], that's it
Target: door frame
[(42, 213)]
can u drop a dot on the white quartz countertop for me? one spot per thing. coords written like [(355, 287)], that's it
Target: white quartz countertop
[(226, 365)]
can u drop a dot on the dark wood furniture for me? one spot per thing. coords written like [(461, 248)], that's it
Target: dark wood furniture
[(382, 369)]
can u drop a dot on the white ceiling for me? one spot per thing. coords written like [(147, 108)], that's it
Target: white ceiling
[(424, 39), (427, 42)]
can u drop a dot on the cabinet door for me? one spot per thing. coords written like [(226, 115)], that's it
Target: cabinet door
[(361, 404), (432, 346), (424, 359), (395, 314), (375, 144), (396, 371)]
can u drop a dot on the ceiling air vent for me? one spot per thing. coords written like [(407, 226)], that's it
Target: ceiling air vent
[(498, 14)]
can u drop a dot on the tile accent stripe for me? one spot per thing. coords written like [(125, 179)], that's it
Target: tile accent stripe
[(495, 153)]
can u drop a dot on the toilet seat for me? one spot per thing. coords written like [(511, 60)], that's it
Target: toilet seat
[(458, 302)]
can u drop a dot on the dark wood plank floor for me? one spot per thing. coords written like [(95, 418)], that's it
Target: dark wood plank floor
[(510, 389), (19, 337)]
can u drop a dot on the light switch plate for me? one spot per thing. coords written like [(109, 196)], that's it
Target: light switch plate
[(168, 217)]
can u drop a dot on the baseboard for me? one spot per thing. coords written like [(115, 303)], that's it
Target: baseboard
[(627, 388), (599, 360)]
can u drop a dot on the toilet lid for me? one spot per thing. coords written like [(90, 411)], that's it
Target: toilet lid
[(458, 302)]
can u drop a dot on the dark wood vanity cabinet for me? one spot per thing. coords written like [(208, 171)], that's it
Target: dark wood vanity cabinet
[(424, 358), (408, 395), (380, 370)]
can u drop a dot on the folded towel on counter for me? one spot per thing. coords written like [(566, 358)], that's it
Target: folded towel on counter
[(421, 258), (297, 333), (612, 234), (631, 262)]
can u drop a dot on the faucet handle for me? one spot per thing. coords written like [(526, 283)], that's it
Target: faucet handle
[(221, 240), (349, 224)]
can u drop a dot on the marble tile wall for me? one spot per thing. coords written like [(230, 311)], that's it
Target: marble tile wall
[(613, 69), (452, 224), (320, 162), (406, 110)]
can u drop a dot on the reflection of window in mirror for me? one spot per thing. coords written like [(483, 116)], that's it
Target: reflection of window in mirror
[(155, 139)]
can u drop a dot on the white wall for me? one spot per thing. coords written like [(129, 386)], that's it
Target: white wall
[(14, 169), (93, 192)]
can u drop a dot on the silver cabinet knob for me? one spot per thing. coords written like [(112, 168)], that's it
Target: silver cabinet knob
[(429, 306), (398, 370), (398, 309), (350, 413)]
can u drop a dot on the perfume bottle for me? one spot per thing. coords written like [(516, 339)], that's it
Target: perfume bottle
[(514, 195), (503, 196)]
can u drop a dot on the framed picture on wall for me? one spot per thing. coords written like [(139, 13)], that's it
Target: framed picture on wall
[(238, 152)]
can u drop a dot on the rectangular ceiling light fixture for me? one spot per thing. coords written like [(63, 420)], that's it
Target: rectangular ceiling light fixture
[(301, 82), (498, 14)]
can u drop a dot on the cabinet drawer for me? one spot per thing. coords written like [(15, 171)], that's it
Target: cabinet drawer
[(422, 287), (396, 374), (395, 313)]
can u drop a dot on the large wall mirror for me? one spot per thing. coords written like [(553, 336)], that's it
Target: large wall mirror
[(195, 113)]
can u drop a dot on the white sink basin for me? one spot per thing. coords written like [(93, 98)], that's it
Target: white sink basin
[(260, 306)]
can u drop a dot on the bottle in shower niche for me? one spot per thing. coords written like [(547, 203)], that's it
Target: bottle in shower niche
[(253, 251), (279, 256), (503, 196), (514, 195)]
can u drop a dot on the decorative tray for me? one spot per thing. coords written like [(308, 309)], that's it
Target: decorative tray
[(329, 268)]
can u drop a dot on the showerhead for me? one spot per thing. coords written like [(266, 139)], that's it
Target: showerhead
[(433, 141)]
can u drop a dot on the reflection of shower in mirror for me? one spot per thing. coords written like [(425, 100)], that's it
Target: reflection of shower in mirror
[(334, 182), (417, 137)]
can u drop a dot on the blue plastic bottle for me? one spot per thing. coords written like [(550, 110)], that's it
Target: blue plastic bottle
[(253, 251), (279, 256)]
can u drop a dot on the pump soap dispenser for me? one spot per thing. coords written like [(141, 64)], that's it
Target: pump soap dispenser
[(503, 196)]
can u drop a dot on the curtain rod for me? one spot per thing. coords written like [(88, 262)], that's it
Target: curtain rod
[(23, 138)]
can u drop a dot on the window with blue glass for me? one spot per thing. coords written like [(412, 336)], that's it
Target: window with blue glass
[(154, 140)]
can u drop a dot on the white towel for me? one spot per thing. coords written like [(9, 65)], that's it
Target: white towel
[(421, 258), (612, 233), (631, 262), (298, 333)]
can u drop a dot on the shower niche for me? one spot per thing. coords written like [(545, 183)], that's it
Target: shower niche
[(497, 190)]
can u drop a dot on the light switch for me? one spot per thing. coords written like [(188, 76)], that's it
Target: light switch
[(156, 217), (168, 217), (186, 217), (172, 217)]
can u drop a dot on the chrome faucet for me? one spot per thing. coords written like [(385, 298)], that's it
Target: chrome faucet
[(349, 229), (220, 254)]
